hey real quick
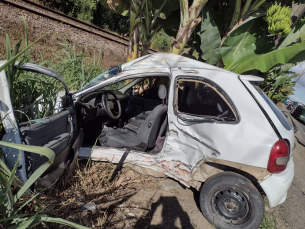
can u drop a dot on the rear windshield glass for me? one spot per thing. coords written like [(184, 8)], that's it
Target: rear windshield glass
[(274, 108)]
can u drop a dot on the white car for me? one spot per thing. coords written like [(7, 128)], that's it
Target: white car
[(164, 114)]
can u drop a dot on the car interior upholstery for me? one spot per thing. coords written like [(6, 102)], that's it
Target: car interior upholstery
[(200, 99), (55, 132), (143, 118), (139, 131)]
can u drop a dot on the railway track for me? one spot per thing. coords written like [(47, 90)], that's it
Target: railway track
[(65, 19)]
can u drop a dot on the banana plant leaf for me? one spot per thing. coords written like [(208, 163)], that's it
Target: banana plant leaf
[(244, 43), (297, 32), (210, 38), (266, 61), (297, 58)]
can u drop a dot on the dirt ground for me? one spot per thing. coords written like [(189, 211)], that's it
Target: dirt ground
[(131, 201), (37, 25), (137, 201)]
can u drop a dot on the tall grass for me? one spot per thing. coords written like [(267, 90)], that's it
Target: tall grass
[(33, 96), (77, 68), (13, 200)]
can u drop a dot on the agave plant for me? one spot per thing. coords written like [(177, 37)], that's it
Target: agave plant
[(12, 205)]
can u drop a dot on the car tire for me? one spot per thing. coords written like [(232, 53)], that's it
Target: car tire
[(229, 200)]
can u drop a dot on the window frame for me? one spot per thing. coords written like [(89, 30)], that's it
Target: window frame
[(140, 95), (204, 119)]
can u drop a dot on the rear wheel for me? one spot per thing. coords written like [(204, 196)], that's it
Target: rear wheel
[(229, 200)]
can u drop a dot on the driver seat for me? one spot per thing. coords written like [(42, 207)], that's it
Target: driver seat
[(146, 136)]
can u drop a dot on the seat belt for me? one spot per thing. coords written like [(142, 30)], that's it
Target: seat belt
[(119, 165), (163, 127)]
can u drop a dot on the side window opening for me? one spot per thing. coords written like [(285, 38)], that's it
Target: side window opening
[(198, 98), (148, 88), (34, 96)]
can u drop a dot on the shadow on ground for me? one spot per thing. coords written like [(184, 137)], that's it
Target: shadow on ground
[(173, 216)]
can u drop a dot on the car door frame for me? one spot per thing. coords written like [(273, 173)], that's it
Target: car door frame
[(11, 127)]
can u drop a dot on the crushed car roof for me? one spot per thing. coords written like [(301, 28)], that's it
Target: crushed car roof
[(167, 60)]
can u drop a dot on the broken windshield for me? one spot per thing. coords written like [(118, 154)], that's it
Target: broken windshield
[(104, 76)]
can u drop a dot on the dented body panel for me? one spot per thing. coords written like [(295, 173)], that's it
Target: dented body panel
[(196, 150)]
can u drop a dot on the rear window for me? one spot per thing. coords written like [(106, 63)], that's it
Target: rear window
[(279, 114)]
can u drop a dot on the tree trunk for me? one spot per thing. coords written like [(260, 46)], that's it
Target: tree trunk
[(189, 19), (183, 36), (136, 7)]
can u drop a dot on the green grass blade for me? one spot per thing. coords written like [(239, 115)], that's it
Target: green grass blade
[(8, 57), (27, 223), (25, 33), (12, 175), (62, 221), (28, 201), (236, 13), (16, 49), (38, 172), (10, 200), (13, 59), (13, 217)]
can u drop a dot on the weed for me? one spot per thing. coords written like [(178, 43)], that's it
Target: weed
[(267, 223), (76, 68), (161, 42)]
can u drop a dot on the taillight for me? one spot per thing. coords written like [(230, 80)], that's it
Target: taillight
[(279, 157)]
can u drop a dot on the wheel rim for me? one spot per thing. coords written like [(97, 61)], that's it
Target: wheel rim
[(231, 206)]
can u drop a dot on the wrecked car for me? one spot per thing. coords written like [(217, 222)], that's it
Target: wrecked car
[(168, 115)]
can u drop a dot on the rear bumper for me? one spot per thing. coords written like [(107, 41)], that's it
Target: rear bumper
[(276, 186)]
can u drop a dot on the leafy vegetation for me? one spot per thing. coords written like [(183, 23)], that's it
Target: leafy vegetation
[(91, 11), (278, 84), (77, 68), (12, 205), (80, 9), (28, 87), (161, 42), (34, 95)]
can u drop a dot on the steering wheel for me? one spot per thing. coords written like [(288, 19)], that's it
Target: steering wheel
[(109, 106)]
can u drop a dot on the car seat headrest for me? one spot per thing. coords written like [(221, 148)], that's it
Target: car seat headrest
[(162, 92)]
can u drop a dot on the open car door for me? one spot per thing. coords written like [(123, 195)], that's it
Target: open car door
[(38, 125)]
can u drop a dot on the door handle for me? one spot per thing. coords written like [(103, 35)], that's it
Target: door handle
[(71, 123)]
